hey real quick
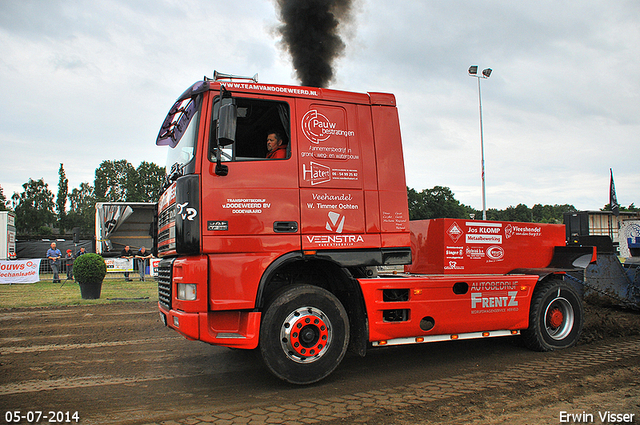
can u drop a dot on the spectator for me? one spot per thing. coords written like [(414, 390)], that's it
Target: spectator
[(54, 254), (142, 257), (81, 252), (126, 253), (69, 258)]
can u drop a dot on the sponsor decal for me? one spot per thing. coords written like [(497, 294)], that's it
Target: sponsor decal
[(495, 253), (271, 89), (187, 213), (497, 302), (522, 230), (316, 173), (217, 225), (246, 206), (494, 296), (335, 240), (475, 253), (318, 128), (453, 265), (325, 201), (335, 223), (330, 152), (484, 228), (454, 252), (396, 219), (484, 238), (455, 232), (494, 285)]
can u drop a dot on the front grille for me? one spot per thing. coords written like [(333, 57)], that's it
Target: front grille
[(167, 227), (164, 282), (167, 216)]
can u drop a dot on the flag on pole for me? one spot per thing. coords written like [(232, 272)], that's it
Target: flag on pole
[(613, 201)]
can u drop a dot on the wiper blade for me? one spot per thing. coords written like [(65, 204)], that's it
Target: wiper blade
[(177, 170)]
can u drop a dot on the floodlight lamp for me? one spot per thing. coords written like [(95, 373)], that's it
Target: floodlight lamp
[(486, 72), (473, 70)]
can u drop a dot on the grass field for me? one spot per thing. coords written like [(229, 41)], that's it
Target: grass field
[(46, 293)]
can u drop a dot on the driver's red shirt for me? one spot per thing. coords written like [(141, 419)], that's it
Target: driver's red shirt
[(279, 153)]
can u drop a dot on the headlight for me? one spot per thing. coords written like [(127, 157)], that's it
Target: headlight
[(187, 291)]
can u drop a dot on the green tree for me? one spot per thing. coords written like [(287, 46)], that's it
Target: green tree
[(119, 181), (518, 213), (82, 211), (538, 214), (438, 202), (33, 207), (551, 213), (630, 208), (114, 181), (149, 180), (3, 201), (61, 201)]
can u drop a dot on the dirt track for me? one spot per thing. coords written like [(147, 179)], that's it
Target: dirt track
[(116, 364)]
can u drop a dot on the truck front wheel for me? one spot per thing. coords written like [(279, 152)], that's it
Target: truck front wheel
[(555, 319), (304, 334)]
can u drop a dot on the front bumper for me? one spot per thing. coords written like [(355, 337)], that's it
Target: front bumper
[(236, 329)]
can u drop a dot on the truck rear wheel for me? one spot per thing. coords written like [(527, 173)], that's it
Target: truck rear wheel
[(555, 319), (304, 334)]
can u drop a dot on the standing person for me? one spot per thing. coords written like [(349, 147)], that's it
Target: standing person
[(126, 253), (69, 258), (142, 257), (81, 252), (54, 254)]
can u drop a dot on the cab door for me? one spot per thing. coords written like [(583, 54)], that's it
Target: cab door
[(251, 215), (255, 207)]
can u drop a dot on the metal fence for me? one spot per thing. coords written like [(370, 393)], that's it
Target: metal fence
[(65, 271)]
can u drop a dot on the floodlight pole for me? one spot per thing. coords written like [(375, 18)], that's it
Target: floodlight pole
[(473, 72)]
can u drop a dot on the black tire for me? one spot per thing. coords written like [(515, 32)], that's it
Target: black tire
[(555, 319), (304, 334)]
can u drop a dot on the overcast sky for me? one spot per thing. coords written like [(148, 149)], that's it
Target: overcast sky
[(82, 81)]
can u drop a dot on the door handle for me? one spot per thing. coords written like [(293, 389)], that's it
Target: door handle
[(285, 226)]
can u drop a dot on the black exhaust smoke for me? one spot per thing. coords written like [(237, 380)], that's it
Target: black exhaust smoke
[(310, 33)]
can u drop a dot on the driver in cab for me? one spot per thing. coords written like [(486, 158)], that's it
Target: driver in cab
[(275, 148)]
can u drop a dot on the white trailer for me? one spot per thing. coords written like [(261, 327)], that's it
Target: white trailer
[(119, 224), (7, 235)]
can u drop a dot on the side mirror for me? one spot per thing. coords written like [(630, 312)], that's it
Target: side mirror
[(227, 122), (221, 169)]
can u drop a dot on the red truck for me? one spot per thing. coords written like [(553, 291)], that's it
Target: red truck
[(284, 255)]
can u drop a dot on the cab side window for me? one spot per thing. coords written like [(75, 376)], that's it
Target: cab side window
[(262, 132)]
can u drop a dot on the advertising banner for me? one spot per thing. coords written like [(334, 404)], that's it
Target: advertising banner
[(119, 264), (19, 271), (155, 262)]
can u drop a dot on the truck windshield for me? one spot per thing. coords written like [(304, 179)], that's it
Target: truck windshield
[(180, 132)]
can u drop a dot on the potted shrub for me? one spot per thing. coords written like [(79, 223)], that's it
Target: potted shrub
[(89, 270)]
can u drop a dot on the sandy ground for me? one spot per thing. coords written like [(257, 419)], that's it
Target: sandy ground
[(117, 364)]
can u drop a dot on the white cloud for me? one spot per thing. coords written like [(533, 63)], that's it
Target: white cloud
[(85, 81)]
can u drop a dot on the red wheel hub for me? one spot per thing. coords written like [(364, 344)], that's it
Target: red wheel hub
[(309, 335), (556, 318)]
